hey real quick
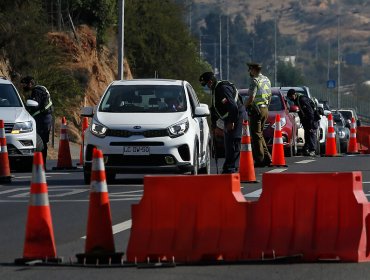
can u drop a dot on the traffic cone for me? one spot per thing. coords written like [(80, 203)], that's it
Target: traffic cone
[(246, 166), (278, 158), (352, 145), (330, 145), (39, 242), (85, 125), (64, 153), (4, 159), (99, 246)]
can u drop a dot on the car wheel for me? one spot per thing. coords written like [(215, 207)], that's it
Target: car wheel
[(39, 143), (87, 174), (25, 165), (207, 168), (195, 162)]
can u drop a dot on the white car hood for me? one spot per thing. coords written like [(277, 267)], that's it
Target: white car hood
[(13, 115), (153, 120)]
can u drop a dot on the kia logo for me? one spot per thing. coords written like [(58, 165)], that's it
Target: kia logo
[(137, 127)]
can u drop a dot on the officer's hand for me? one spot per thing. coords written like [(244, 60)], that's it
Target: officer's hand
[(230, 126)]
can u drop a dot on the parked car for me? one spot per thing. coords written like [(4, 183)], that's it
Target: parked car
[(342, 130), (348, 114), (148, 126), (289, 126), (20, 127)]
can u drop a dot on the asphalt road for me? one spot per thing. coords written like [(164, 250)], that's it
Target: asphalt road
[(69, 200)]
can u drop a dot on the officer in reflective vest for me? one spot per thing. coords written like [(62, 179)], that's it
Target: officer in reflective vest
[(227, 106), (257, 107), (42, 113)]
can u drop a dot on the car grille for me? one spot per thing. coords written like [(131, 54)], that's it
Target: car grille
[(146, 133), (8, 127)]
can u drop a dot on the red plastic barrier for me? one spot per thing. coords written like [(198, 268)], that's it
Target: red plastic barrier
[(363, 139), (188, 218), (316, 215), (195, 218)]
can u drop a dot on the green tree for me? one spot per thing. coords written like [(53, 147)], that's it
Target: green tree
[(288, 75)]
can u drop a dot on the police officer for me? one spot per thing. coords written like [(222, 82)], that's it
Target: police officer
[(257, 106), (227, 106), (42, 113), (307, 116)]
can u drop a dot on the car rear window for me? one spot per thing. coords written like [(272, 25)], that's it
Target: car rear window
[(9, 96), (346, 114), (143, 99)]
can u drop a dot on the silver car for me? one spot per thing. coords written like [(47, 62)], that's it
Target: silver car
[(20, 127)]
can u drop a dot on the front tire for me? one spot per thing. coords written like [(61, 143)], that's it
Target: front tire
[(195, 162), (207, 168)]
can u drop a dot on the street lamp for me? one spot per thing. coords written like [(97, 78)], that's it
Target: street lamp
[(339, 58)]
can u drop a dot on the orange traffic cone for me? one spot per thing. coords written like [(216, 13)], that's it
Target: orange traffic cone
[(352, 145), (4, 159), (278, 158), (99, 247), (64, 153), (39, 243), (85, 125), (331, 145), (246, 166)]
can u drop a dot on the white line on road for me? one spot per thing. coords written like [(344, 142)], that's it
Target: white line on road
[(305, 161), (256, 193), (119, 227), (277, 170)]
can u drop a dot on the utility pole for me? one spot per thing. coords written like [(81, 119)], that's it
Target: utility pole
[(275, 55), (220, 50), (228, 50), (121, 41), (339, 59)]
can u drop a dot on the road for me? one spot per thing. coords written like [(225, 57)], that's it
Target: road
[(69, 206)]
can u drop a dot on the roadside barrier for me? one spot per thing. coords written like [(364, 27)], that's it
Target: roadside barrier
[(246, 165), (99, 246), (5, 175), (278, 158), (64, 153), (202, 219), (363, 138), (330, 144), (39, 243), (85, 125), (352, 144)]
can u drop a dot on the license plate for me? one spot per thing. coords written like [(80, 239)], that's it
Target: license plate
[(136, 150)]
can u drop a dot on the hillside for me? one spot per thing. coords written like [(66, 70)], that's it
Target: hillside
[(305, 20)]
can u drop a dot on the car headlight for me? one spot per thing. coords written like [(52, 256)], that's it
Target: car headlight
[(179, 128), (282, 122), (22, 127), (98, 129)]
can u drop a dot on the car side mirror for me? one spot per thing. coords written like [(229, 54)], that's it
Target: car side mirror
[(293, 108), (31, 103), (202, 111)]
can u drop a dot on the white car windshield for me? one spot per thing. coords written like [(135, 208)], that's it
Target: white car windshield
[(143, 99)]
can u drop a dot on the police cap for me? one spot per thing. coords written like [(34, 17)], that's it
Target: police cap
[(27, 80), (254, 65), (205, 77)]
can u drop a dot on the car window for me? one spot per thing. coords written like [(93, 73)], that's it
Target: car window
[(276, 103), (193, 97), (346, 114), (9, 96), (143, 99)]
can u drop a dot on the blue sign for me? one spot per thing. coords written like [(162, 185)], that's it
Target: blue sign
[(330, 84)]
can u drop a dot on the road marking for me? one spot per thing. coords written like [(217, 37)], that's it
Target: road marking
[(305, 161), (365, 182), (277, 170), (52, 193), (138, 193), (119, 227), (256, 193)]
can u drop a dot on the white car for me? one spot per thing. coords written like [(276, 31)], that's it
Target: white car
[(20, 127), (147, 126)]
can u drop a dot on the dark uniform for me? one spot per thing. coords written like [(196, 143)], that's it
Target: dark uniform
[(260, 89), (42, 113), (227, 106), (310, 125)]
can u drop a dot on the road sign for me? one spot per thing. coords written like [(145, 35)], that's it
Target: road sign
[(330, 83)]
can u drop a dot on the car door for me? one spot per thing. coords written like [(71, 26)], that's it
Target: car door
[(199, 121)]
